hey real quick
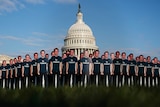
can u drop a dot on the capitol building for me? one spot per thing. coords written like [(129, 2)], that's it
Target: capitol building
[(79, 37), (5, 57)]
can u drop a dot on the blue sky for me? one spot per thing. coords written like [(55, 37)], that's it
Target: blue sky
[(27, 26)]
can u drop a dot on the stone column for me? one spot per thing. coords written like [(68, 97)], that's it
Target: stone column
[(78, 53), (92, 51), (75, 51), (89, 51)]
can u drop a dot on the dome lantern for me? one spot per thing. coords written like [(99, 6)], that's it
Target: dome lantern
[(79, 15)]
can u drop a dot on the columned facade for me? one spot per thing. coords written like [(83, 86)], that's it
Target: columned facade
[(5, 57), (79, 37)]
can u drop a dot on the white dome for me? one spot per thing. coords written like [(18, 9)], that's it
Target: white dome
[(79, 37), (79, 30)]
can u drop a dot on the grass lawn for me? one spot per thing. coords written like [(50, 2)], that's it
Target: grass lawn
[(91, 96)]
